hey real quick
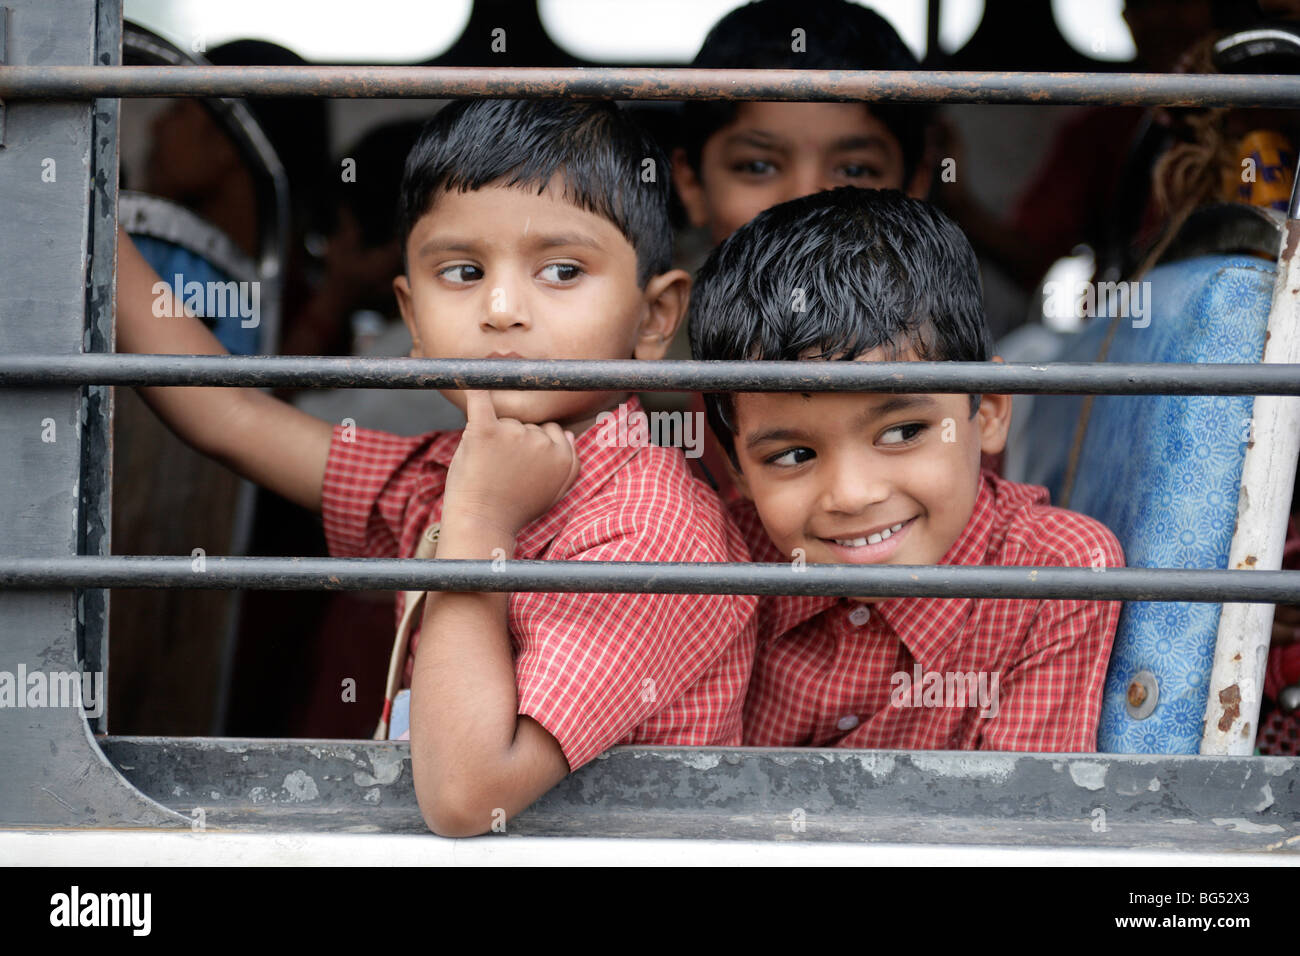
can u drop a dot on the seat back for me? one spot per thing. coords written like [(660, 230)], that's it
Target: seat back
[(1163, 472), (189, 253)]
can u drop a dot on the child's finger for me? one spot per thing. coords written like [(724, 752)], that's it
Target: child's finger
[(553, 432), (478, 406)]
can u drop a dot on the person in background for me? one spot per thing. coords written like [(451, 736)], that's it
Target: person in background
[(299, 131), (362, 252), (1071, 199)]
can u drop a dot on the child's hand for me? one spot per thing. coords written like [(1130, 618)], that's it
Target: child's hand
[(506, 473)]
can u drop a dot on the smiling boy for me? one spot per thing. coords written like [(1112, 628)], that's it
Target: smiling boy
[(870, 478), (528, 230)]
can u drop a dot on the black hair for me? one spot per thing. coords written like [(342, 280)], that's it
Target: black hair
[(837, 35), (610, 166), (835, 275)]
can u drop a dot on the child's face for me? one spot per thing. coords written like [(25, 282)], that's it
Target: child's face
[(774, 152), (506, 272), (827, 470)]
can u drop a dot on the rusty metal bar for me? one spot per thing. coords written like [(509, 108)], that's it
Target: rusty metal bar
[(649, 577), (1082, 378), (654, 83)]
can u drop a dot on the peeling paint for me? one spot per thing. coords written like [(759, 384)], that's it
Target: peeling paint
[(1242, 825), (1087, 774), (385, 766), (951, 765), (701, 761), (301, 787), (1265, 799)]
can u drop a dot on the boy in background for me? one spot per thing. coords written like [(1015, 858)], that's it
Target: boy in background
[(878, 478)]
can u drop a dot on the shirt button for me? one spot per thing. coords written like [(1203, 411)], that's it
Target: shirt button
[(847, 723), (860, 615)]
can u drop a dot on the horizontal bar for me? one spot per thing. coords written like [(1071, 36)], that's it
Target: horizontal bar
[(648, 577), (1100, 378), (654, 83)]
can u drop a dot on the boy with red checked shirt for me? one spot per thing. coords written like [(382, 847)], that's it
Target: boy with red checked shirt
[(869, 478), (528, 231)]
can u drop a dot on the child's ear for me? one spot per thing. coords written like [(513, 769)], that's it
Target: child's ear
[(993, 418), (402, 289), (665, 298), (689, 189)]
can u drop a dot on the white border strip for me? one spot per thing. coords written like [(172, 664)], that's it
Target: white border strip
[(92, 848)]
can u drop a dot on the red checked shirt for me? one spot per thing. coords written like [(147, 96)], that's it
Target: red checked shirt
[(935, 673), (594, 669)]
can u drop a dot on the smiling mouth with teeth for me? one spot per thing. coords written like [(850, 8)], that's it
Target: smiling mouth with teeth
[(876, 538)]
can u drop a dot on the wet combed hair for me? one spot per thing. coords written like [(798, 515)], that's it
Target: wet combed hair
[(836, 275), (838, 35), (597, 149)]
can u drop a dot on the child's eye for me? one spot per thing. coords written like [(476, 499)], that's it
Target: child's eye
[(754, 167), (462, 273), (561, 272), (794, 456), (859, 171), (901, 434)]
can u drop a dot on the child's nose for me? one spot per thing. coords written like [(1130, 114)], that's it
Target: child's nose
[(853, 485), (505, 308), (808, 178)]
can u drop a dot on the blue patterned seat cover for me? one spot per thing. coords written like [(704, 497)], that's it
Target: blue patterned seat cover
[(1163, 473)]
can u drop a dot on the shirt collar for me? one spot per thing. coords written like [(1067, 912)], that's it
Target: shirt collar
[(601, 454), (928, 625)]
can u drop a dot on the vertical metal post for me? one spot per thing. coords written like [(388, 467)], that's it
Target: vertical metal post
[(56, 297), (1267, 478), (95, 523)]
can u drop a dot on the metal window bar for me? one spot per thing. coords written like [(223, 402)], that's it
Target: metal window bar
[(1078, 378), (1275, 385), (648, 83)]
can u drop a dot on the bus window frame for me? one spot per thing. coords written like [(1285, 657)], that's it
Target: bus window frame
[(63, 771)]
